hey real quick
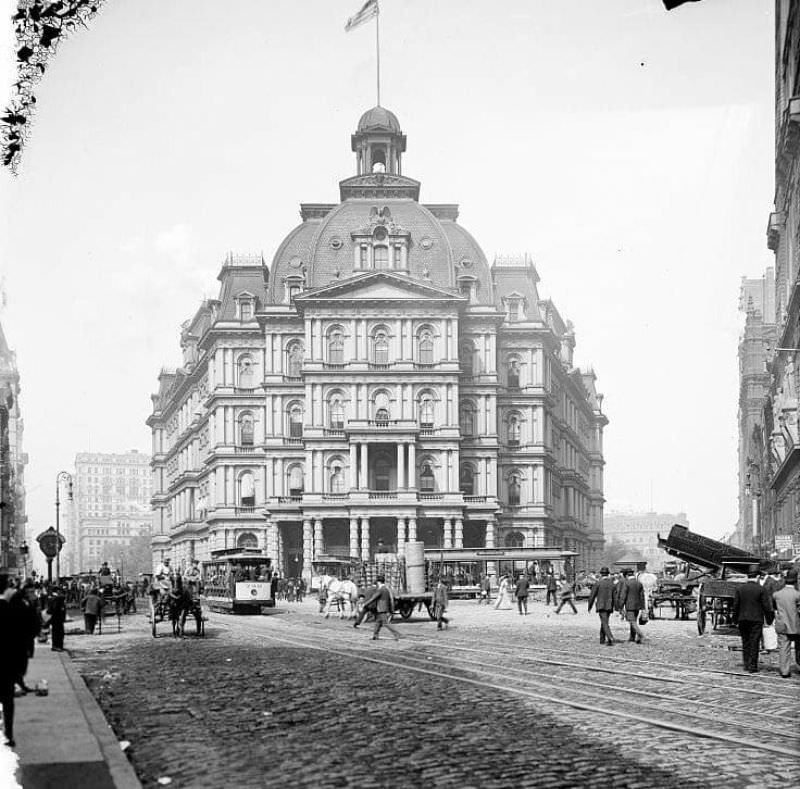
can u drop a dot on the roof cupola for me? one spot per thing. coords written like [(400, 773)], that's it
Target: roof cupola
[(378, 142)]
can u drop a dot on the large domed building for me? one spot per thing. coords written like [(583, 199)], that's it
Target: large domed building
[(379, 382)]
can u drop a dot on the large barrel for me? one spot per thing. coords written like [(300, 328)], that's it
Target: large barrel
[(415, 567)]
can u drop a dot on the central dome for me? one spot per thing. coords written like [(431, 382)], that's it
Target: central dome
[(379, 118)]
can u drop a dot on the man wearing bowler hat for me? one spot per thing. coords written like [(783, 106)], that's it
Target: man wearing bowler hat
[(602, 595), (752, 607), (787, 622)]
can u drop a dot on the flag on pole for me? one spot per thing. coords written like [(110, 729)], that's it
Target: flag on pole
[(365, 13)]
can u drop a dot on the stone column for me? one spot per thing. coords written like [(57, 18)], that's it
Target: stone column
[(458, 537), (412, 465), (491, 567), (353, 471), (412, 529), (401, 477), (354, 537), (365, 539), (447, 524), (401, 536), (272, 542), (308, 550), (318, 542), (279, 552), (364, 475)]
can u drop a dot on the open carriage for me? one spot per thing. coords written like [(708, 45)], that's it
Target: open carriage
[(175, 607)]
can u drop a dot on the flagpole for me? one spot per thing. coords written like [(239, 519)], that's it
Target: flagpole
[(378, 48)]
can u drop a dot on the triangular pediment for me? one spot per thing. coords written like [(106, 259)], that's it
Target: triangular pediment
[(381, 286)]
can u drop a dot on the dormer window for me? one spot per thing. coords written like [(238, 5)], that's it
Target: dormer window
[(245, 306), (380, 257), (515, 307), (294, 286), (381, 244)]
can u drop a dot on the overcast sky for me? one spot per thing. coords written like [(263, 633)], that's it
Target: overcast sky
[(629, 150)]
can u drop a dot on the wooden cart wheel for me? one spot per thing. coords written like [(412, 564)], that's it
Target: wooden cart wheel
[(405, 611), (431, 611), (701, 618)]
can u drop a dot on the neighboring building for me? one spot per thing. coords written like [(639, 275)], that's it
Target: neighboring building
[(757, 301), (111, 504), (639, 532), (12, 466), (775, 478), (381, 383)]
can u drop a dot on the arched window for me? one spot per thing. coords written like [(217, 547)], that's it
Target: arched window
[(426, 347), (513, 374), (466, 479), (294, 360), (336, 478), (383, 465), (514, 540), (514, 489), (380, 257), (427, 479), (246, 430), (514, 430), (466, 419), (336, 413), (336, 347), (426, 411), (247, 540), (467, 358), (247, 489), (246, 371), (295, 421), (380, 347), (295, 481), (382, 408)]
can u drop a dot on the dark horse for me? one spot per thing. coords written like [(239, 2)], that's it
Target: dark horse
[(183, 602)]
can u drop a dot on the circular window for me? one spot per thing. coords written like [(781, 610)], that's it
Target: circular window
[(380, 234), (466, 263), (296, 262), (426, 242), (336, 242)]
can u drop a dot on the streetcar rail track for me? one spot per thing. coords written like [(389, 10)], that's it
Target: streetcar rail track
[(353, 652)]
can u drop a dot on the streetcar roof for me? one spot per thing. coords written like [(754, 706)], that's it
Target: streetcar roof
[(238, 556), (493, 554)]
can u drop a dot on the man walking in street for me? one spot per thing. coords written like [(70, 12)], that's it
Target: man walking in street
[(13, 654), (602, 596), (382, 597), (567, 595), (92, 609), (787, 622), (550, 583), (485, 590), (521, 592), (440, 603), (631, 602), (752, 607)]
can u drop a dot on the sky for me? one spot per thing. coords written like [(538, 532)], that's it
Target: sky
[(628, 149)]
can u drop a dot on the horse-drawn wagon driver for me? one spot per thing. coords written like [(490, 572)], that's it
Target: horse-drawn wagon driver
[(192, 577), (162, 582)]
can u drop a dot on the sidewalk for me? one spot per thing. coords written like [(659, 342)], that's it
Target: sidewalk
[(63, 739)]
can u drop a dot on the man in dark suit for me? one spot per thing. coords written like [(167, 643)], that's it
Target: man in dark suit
[(521, 593), (602, 595), (631, 601), (752, 607), (384, 607)]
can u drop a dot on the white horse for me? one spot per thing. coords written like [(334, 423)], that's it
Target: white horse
[(343, 594)]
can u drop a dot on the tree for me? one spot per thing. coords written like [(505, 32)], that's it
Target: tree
[(133, 557)]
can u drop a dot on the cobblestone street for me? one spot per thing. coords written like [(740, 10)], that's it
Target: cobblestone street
[(293, 698)]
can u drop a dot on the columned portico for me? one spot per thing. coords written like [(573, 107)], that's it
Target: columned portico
[(308, 548), (365, 539), (354, 538)]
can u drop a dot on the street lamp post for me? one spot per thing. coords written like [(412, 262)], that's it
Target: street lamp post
[(62, 476)]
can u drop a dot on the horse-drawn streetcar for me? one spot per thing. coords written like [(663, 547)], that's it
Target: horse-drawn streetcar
[(238, 581)]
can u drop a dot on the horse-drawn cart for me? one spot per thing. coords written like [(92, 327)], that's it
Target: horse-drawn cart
[(724, 566)]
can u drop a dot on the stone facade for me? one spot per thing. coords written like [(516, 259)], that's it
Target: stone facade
[(639, 532), (111, 505), (775, 478), (12, 465), (757, 302), (379, 383)]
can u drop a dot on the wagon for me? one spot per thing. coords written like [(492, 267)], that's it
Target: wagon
[(716, 596)]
